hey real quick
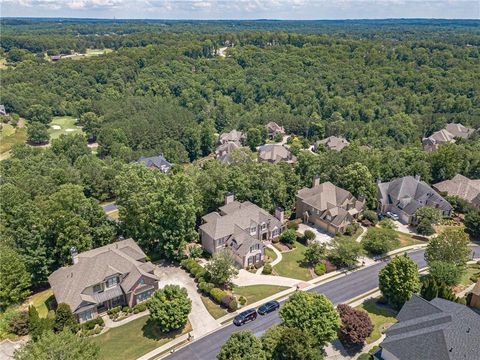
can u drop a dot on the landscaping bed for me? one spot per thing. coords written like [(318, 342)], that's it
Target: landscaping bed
[(122, 312), (382, 317), (134, 339)]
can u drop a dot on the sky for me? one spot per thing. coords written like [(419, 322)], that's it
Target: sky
[(243, 9)]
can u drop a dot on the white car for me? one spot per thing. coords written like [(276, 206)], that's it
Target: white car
[(392, 215)]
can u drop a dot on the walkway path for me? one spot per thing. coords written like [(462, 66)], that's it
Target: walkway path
[(201, 320), (274, 262)]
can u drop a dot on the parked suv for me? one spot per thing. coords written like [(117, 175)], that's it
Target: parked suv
[(268, 307), (245, 316)]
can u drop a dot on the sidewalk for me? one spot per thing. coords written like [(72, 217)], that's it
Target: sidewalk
[(164, 348)]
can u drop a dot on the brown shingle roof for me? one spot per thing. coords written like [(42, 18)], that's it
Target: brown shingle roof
[(460, 186)]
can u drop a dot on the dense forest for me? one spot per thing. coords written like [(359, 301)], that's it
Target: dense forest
[(164, 89)]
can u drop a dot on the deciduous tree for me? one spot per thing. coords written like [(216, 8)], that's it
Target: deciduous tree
[(242, 346)]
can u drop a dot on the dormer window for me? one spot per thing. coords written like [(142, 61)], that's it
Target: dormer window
[(264, 226), (97, 288), (111, 282), (253, 229)]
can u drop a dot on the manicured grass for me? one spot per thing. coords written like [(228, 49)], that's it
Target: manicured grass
[(256, 293), (65, 122), (407, 240), (473, 269), (134, 339), (380, 317), (214, 309), (11, 136), (292, 264), (41, 301), (271, 254)]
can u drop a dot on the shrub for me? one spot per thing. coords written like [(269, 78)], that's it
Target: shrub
[(364, 357), (196, 252), (217, 294), (387, 224), (226, 300), (292, 225), (233, 305), (371, 216), (425, 228), (126, 309), (380, 241), (18, 323), (275, 240), (356, 325), (330, 266), (289, 236), (242, 300), (140, 307), (309, 235), (350, 229), (259, 264), (267, 269), (114, 310), (90, 324), (320, 269)]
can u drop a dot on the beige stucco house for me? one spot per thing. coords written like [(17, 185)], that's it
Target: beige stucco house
[(112, 275), (328, 206)]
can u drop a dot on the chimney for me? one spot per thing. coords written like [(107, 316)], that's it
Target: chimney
[(229, 198), (316, 181), (417, 177), (74, 254), (280, 214)]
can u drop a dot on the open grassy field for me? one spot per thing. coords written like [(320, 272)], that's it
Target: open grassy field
[(214, 309), (255, 293), (292, 264), (408, 240), (134, 339), (380, 316), (10, 136), (63, 125)]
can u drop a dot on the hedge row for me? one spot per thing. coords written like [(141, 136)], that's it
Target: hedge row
[(195, 269)]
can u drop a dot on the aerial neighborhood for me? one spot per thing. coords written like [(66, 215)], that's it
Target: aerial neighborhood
[(238, 189)]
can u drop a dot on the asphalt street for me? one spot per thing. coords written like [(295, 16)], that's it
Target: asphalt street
[(338, 291)]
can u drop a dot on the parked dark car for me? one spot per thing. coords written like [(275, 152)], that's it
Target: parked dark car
[(268, 307), (245, 316)]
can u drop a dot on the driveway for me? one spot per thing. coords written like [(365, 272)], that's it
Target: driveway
[(246, 278), (201, 320), (320, 235)]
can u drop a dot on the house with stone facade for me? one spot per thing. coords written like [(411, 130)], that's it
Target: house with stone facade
[(240, 227), (113, 275), (328, 206)]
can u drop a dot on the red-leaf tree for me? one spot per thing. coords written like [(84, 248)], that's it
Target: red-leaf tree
[(356, 325)]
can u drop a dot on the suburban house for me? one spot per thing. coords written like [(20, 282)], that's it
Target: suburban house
[(224, 151), (432, 330), (156, 163), (273, 129), (403, 196), (240, 227), (475, 300), (232, 136), (448, 134), (3, 111), (332, 143), (275, 153), (117, 274), (328, 206), (461, 186)]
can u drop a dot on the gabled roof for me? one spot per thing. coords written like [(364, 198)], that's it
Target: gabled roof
[(434, 330), (275, 153), (156, 161), (241, 214), (94, 266), (409, 193), (240, 242), (333, 143), (460, 186), (274, 127), (234, 135), (459, 131)]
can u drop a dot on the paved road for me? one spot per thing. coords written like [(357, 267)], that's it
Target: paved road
[(338, 291)]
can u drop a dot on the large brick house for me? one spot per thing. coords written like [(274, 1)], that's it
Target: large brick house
[(112, 275)]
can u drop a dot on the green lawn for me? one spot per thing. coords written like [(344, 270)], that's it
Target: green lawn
[(271, 254), (292, 265), (10, 136), (380, 317), (134, 339), (67, 126), (255, 293), (473, 269), (41, 301), (214, 309), (407, 240)]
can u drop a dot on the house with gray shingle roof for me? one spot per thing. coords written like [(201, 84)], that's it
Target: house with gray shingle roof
[(461, 186), (432, 330), (156, 163), (112, 275), (332, 143), (404, 196), (328, 206), (225, 151), (232, 136), (275, 153), (273, 129), (448, 134), (240, 227)]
